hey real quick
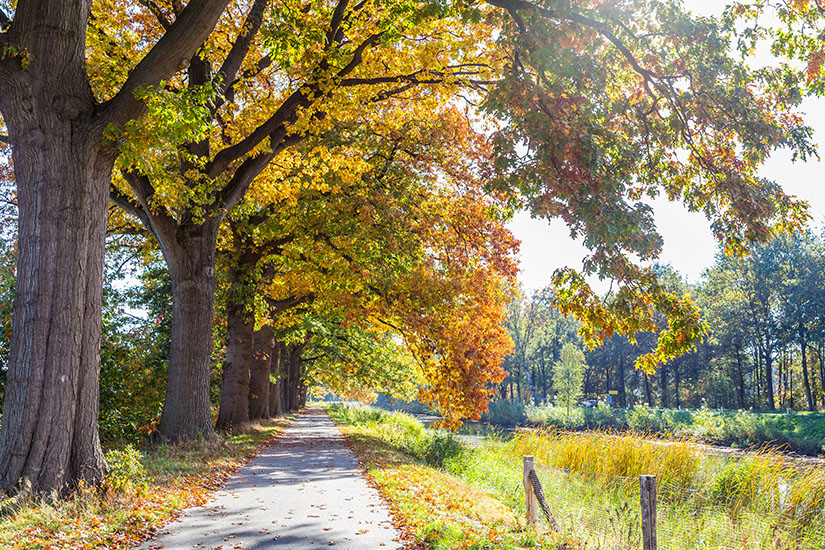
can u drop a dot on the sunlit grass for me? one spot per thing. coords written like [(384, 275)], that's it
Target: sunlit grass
[(591, 483)]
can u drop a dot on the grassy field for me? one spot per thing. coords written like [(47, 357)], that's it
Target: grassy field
[(799, 432), (591, 481), (144, 489)]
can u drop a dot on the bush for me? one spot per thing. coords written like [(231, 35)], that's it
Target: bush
[(126, 472), (505, 413), (402, 432), (441, 448)]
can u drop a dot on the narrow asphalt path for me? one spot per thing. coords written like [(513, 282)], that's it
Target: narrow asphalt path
[(304, 492)]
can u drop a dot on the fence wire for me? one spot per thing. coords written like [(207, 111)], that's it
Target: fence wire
[(600, 515), (604, 513)]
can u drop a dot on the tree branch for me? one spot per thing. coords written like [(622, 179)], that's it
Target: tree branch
[(5, 20), (240, 49), (285, 112), (170, 54), (124, 202), (157, 12), (335, 23)]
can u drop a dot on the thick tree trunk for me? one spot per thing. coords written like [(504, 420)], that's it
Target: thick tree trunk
[(49, 433), (276, 407), (234, 411), (190, 255), (262, 355)]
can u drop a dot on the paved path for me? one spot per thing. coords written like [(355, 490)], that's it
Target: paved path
[(304, 492)]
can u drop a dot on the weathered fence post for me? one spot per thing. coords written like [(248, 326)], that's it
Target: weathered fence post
[(647, 486), (529, 492)]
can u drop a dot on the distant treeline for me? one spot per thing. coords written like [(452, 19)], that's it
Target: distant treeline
[(765, 347)]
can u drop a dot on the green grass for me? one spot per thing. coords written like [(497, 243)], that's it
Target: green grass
[(591, 482)]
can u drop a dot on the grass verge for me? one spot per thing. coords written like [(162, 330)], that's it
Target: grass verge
[(439, 510), (143, 491)]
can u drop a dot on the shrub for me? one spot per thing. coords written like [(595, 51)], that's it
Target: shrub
[(126, 472), (441, 448), (505, 413)]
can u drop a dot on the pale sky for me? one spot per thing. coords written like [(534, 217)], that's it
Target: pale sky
[(689, 245)]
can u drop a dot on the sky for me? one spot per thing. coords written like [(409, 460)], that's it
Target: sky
[(689, 245)]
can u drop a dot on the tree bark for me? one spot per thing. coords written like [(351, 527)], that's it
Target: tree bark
[(622, 393), (769, 378), (49, 433), (234, 411), (262, 356), (190, 254)]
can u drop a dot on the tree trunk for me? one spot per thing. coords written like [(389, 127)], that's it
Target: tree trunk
[(622, 394), (822, 371), (234, 411), (190, 255), (294, 378), (648, 393), (803, 344), (740, 379), (663, 371), (49, 434), (769, 378), (262, 355), (276, 403), (676, 381)]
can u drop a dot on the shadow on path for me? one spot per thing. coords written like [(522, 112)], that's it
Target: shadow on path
[(305, 491)]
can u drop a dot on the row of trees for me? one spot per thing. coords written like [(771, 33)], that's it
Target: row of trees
[(765, 346), (311, 158)]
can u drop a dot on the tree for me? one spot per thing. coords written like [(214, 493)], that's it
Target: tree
[(568, 376), (607, 103), (62, 169), (245, 104)]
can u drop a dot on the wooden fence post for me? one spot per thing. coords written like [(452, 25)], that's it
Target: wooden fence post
[(529, 492), (647, 486)]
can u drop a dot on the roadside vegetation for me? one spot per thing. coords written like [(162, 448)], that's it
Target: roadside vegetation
[(797, 432), (591, 483), (144, 488)]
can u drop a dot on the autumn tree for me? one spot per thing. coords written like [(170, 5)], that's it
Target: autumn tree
[(370, 214), (62, 167), (609, 103), (246, 102)]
